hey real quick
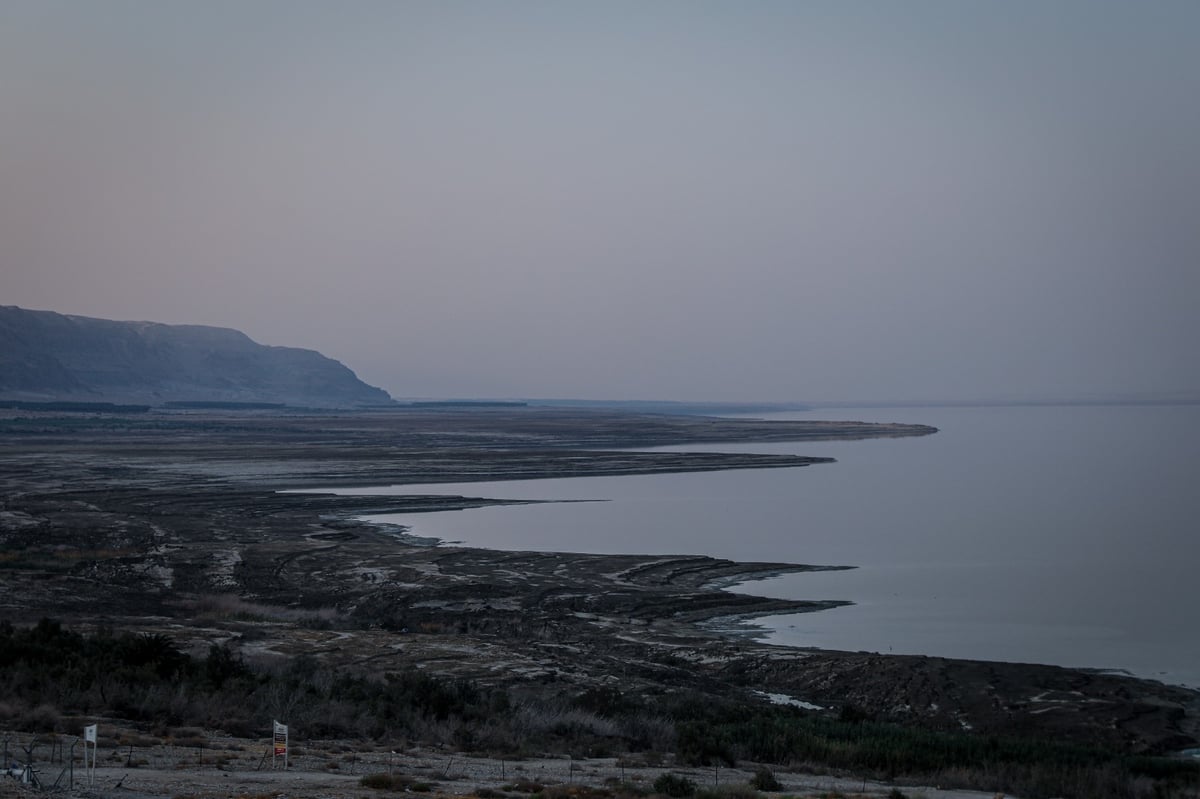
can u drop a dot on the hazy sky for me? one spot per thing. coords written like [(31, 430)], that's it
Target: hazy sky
[(651, 199)]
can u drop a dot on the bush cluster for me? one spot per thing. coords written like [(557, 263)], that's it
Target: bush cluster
[(48, 672), (674, 785), (764, 780)]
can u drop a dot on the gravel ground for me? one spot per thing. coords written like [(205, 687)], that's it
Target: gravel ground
[(240, 769)]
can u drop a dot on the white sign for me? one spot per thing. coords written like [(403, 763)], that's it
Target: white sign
[(89, 737), (280, 748)]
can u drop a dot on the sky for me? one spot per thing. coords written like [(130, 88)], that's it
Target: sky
[(674, 199)]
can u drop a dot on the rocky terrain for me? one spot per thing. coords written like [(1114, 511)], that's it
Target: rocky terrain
[(222, 767), (174, 523), (50, 356)]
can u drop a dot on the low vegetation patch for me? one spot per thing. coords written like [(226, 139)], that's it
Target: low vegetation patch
[(525, 786), (728, 792), (50, 677), (764, 780), (674, 785), (384, 782)]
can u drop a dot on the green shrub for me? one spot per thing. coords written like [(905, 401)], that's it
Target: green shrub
[(384, 782), (764, 780), (728, 791), (674, 785)]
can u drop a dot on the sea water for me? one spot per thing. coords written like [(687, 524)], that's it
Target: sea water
[(1064, 534)]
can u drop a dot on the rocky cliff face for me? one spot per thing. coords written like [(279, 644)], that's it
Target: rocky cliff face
[(45, 355)]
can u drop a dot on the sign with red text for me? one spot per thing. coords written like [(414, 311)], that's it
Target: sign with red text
[(281, 744)]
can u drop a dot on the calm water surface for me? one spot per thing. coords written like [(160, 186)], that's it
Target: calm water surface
[(1062, 535)]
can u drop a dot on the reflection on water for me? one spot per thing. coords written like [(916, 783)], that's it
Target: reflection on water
[(1048, 534)]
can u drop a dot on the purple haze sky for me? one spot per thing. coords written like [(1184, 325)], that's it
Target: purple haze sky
[(656, 200)]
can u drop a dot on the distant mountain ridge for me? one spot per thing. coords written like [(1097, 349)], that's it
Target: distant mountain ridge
[(50, 356)]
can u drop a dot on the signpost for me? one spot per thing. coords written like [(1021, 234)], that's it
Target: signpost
[(89, 737), (280, 749)]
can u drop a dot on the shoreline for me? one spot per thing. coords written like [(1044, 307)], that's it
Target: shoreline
[(179, 529), (753, 626), (733, 625)]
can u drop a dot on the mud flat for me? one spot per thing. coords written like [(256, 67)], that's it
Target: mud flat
[(174, 523)]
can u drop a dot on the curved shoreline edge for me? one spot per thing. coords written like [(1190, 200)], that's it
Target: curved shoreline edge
[(173, 524)]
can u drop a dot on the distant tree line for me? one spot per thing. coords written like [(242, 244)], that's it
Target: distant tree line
[(77, 407), (227, 405)]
